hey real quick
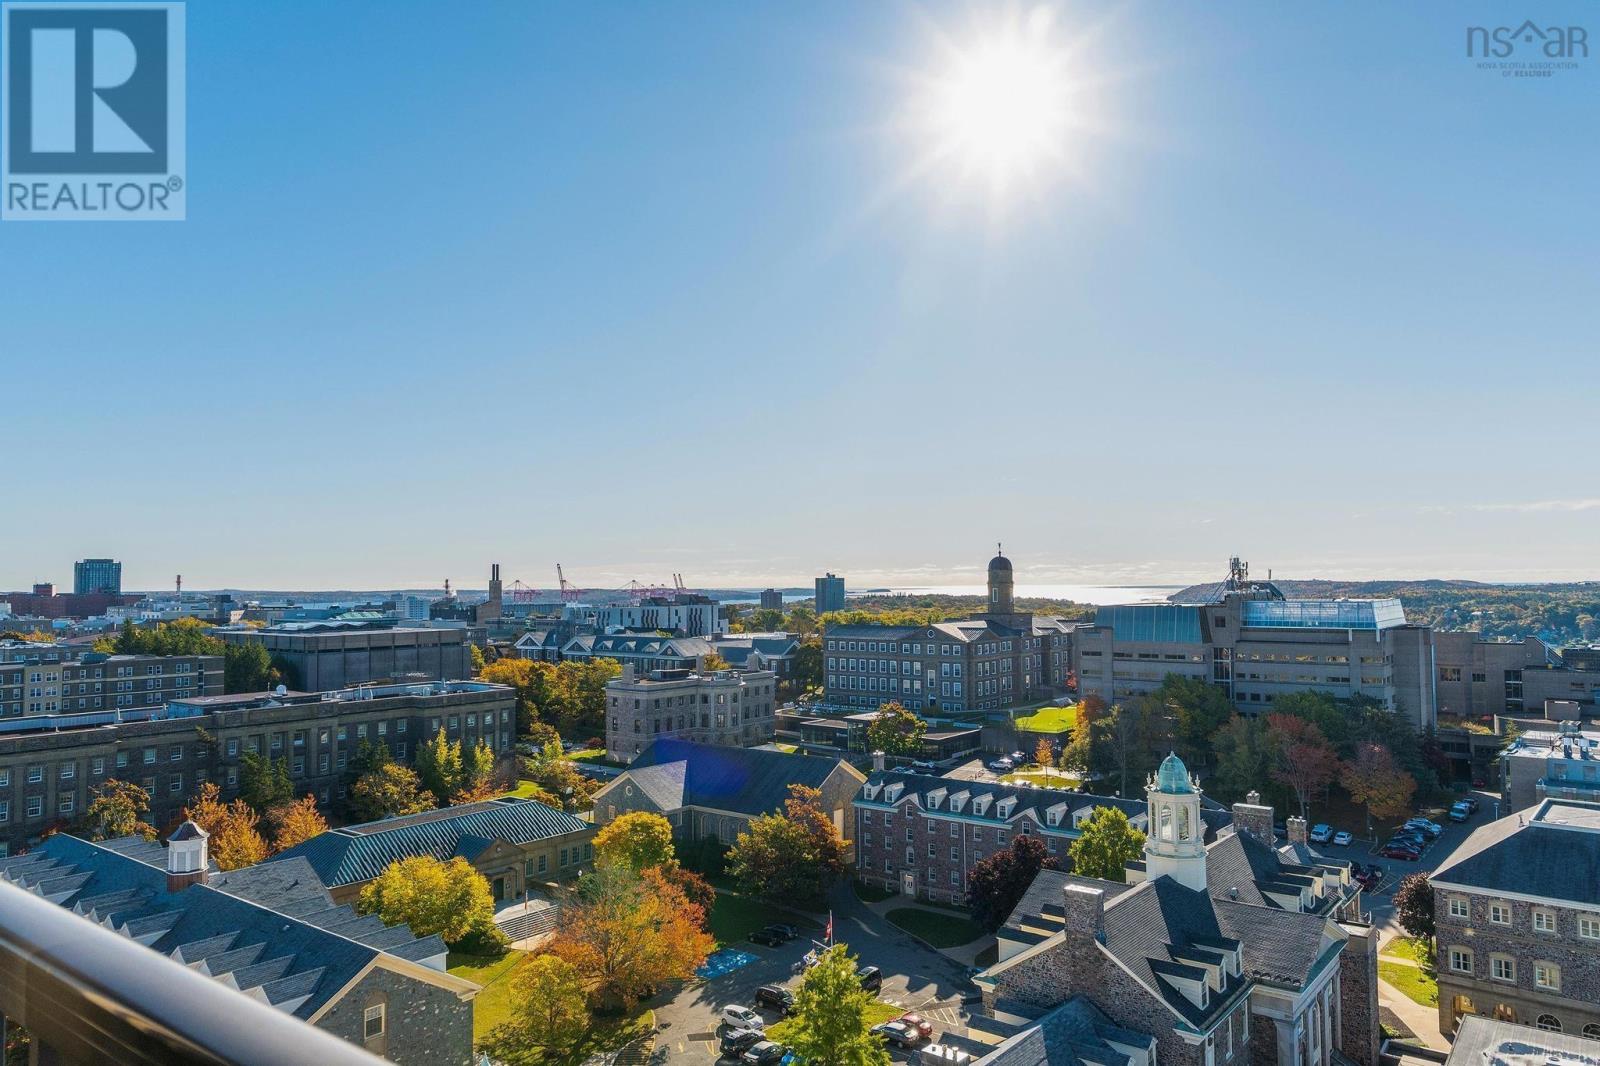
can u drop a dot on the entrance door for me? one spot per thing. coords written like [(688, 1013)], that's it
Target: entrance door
[(499, 890), (908, 883)]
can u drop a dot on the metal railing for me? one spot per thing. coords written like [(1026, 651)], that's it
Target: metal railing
[(89, 995)]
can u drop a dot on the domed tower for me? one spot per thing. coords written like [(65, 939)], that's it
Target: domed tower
[(1174, 844), (1000, 583)]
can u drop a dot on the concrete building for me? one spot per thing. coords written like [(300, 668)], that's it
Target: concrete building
[(709, 791), (830, 593), (719, 707), (1250, 640), (49, 763), (519, 846), (1477, 677), (272, 932), (998, 659), (921, 836), (1230, 952), (681, 614), (321, 656), (1517, 921), (1484, 1042), (771, 600), (44, 679), (1561, 763), (91, 576)]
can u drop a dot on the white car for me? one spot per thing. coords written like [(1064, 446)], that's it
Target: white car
[(738, 1017), (1321, 833), (1002, 766), (1342, 838)]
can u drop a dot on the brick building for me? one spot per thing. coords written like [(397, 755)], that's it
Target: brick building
[(44, 679), (715, 707), (1517, 921)]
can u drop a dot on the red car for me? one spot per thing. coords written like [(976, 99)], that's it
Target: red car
[(922, 1025), (1401, 852)]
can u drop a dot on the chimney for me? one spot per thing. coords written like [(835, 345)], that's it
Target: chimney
[(188, 857), (1085, 911), (1254, 818), (877, 761), (1297, 830)]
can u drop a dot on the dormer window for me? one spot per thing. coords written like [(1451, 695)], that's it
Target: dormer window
[(871, 791), (1004, 808), (980, 804)]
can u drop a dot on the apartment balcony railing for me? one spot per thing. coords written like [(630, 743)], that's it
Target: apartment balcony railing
[(89, 995)]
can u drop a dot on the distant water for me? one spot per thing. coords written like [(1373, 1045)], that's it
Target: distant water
[(1095, 594)]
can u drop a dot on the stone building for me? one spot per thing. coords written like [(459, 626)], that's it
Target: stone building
[(714, 707), (270, 931), (1229, 952), (45, 679), (1517, 921)]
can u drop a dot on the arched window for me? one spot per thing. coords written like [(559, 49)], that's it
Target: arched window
[(1592, 1030), (1165, 832), (1549, 1023), (1183, 823)]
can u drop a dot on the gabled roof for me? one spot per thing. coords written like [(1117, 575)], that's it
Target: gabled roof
[(359, 853), (1077, 1033), (272, 932), (681, 773), (1243, 869), (1552, 853)]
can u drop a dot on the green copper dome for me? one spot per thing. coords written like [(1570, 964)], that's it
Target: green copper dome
[(1173, 777)]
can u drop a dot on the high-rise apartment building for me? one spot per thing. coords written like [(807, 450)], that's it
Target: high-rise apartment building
[(830, 593), (91, 576), (771, 600)]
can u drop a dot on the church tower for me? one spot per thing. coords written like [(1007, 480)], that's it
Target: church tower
[(1174, 844), (1000, 584)]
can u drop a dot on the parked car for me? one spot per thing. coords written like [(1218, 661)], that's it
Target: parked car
[(775, 997), (898, 1033), (1321, 833), (941, 1055), (1433, 829), (735, 1042), (1342, 838), (788, 932), (1019, 757), (871, 978), (1002, 765), (1372, 878), (766, 1053), (768, 937), (922, 1025), (1403, 852), (737, 1017), (1470, 801), (1413, 838), (923, 766), (1460, 812)]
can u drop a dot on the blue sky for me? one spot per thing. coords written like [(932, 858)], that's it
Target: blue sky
[(647, 289)]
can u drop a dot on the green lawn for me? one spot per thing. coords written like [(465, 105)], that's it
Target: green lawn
[(1048, 720), (877, 1011), (1410, 980), (493, 1005), (588, 753), (871, 893), (1053, 779), (1406, 947), (940, 930), (524, 790)]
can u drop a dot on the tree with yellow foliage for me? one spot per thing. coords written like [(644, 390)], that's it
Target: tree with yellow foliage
[(235, 839), (297, 823)]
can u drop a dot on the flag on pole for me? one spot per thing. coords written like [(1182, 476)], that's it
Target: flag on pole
[(830, 929)]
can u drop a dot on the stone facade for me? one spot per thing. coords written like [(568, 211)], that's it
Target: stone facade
[(423, 1025), (719, 707), (1358, 995)]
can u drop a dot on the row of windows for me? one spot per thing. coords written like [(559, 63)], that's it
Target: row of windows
[(988, 647), (1542, 919), (1546, 975)]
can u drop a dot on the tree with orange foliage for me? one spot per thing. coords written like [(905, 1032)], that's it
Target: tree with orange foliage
[(235, 839), (297, 822)]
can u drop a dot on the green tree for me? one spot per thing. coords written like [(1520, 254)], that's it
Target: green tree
[(552, 771), (802, 622), (791, 856), (639, 840), (246, 668), (1107, 842), (1413, 904), (894, 730), (996, 883), (265, 783), (477, 660), (388, 791), (438, 766), (805, 668), (1241, 757), (829, 1021), (1197, 710), (477, 775), (549, 1014), (117, 810), (448, 898)]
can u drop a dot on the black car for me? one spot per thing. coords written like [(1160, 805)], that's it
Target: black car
[(767, 936), (765, 1052), (788, 932), (736, 1042), (775, 997), (871, 978)]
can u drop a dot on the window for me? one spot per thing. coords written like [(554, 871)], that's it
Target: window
[(1544, 921), (1592, 1030), (1459, 908), (1588, 928), (64, 804), (35, 774), (233, 747), (1500, 914), (1549, 1023), (5, 811), (35, 806), (372, 1022), (1547, 975), (1502, 968), (1461, 960)]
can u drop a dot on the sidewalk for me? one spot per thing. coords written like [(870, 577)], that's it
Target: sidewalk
[(1423, 1021)]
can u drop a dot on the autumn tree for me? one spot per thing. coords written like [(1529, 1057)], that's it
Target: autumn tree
[(1107, 842), (829, 1020), (388, 791), (795, 855), (450, 898), (1375, 781), (1044, 755), (117, 809), (549, 1015), (895, 730), (236, 839), (549, 769), (627, 934), (477, 775), (1305, 762), (438, 766), (996, 883), (714, 661), (296, 823), (1413, 905), (638, 840)]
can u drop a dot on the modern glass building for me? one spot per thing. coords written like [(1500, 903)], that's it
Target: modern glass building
[(97, 575)]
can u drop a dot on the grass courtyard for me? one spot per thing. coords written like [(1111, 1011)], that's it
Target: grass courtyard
[(1416, 983), (1047, 720), (493, 1005), (939, 929)]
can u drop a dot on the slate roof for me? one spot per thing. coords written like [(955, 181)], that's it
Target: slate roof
[(1043, 897), (738, 650), (680, 773), (639, 645), (358, 853), (1552, 854), (1077, 1033), (271, 931), (1243, 869), (1483, 1041)]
